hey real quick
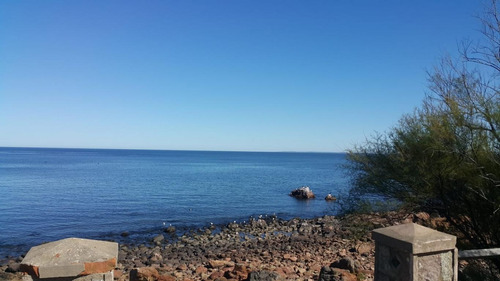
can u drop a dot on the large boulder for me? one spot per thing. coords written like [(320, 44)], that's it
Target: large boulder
[(303, 193)]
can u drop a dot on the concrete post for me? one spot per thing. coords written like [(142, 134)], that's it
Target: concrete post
[(411, 252)]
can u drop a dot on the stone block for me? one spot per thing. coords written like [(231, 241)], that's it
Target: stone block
[(413, 252), (71, 257), (415, 238)]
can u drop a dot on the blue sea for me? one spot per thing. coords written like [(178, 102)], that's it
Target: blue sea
[(49, 194)]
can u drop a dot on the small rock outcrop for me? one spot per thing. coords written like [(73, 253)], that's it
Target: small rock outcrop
[(330, 197), (171, 229), (158, 239), (303, 193)]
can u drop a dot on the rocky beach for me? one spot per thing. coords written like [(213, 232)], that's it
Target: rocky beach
[(265, 248)]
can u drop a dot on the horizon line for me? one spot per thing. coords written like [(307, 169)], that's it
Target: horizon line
[(194, 150)]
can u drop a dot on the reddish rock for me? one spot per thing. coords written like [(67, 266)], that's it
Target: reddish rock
[(290, 257), (144, 274), (99, 267), (240, 271), (166, 278), (346, 275), (216, 275), (117, 273), (201, 269), (315, 268), (285, 271)]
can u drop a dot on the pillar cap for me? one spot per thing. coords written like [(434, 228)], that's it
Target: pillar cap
[(414, 238)]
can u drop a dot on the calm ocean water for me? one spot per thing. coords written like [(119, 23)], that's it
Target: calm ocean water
[(49, 194)]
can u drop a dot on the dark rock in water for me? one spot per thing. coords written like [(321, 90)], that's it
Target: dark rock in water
[(302, 193), (124, 234), (330, 197), (170, 229), (158, 239), (264, 276)]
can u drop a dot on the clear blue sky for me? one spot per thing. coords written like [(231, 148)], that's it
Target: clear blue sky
[(269, 75)]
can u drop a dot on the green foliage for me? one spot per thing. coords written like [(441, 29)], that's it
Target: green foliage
[(445, 155)]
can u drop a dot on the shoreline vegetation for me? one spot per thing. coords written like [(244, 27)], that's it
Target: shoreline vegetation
[(295, 249)]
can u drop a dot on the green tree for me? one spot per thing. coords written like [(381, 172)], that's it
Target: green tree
[(446, 154)]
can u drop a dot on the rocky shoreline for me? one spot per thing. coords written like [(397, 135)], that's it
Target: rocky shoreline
[(296, 249)]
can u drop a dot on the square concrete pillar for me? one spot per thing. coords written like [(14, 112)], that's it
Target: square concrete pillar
[(411, 252)]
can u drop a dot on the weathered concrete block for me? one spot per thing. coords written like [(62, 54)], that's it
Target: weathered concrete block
[(71, 257), (413, 252), (415, 238)]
